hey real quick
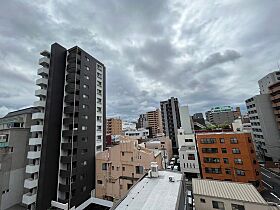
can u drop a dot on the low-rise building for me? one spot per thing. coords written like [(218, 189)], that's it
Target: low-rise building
[(120, 166), (139, 134), (228, 156), (239, 125), (163, 145), (221, 115), (113, 126), (14, 136), (167, 191), (189, 162), (212, 194)]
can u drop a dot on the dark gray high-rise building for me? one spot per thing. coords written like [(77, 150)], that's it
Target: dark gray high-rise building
[(69, 129), (171, 120)]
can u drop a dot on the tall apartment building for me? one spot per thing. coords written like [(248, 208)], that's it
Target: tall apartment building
[(198, 118), (114, 126), (69, 128), (171, 120), (262, 111), (14, 136), (220, 115), (155, 122), (142, 121), (121, 166), (274, 91), (267, 81), (228, 157)]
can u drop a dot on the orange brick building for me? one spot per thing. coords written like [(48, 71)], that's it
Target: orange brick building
[(228, 156)]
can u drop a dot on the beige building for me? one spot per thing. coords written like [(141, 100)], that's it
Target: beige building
[(114, 126), (162, 144), (155, 122), (119, 167)]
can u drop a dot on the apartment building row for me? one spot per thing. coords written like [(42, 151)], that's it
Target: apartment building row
[(263, 110)]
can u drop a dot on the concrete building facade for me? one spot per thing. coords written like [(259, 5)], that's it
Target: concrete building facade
[(119, 167), (14, 136), (139, 134), (69, 129), (220, 115), (154, 121), (229, 156), (113, 126), (267, 81), (264, 127), (171, 120)]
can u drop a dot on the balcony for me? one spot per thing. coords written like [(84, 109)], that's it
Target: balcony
[(70, 88), (72, 77), (33, 155), (66, 187), (45, 53), (67, 133), (39, 104), (42, 82), (66, 173), (44, 61), (67, 146), (31, 169), (43, 71), (69, 120), (29, 198), (36, 128), (38, 116), (276, 112), (41, 92), (70, 98), (30, 183), (35, 141), (67, 159), (70, 109)]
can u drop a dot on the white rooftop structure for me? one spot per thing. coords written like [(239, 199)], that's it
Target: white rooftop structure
[(155, 193), (227, 190)]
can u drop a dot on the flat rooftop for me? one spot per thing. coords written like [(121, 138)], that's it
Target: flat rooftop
[(153, 193), (222, 132), (230, 190)]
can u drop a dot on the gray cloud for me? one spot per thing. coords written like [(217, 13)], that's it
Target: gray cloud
[(204, 53)]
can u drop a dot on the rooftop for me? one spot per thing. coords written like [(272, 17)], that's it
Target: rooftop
[(230, 190), (153, 193), (29, 110), (222, 132)]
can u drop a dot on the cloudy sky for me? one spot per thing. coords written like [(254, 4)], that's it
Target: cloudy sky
[(206, 53)]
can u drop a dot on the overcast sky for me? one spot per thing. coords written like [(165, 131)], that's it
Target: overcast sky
[(206, 53)]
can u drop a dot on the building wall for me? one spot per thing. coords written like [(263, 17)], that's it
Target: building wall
[(227, 203), (114, 126), (264, 127), (247, 154), (268, 80), (171, 120), (154, 121), (114, 182), (185, 119)]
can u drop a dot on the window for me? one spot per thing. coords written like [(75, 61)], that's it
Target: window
[(85, 139), (188, 140), (87, 68), (82, 176), (86, 77), (222, 140), (202, 200), (122, 153), (84, 151), (84, 188), (85, 117), (213, 170), (238, 161), (84, 128), (209, 150), (208, 141), (211, 160), (226, 160), (218, 205), (99, 148), (191, 157), (235, 151), (87, 58), (113, 167), (99, 83), (85, 106), (85, 96), (228, 171), (249, 140), (224, 150), (104, 166), (84, 163), (237, 207), (183, 156), (233, 141), (139, 169), (85, 86), (240, 172), (98, 109), (99, 181), (123, 168)]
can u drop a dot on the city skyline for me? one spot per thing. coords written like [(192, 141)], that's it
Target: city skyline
[(196, 51)]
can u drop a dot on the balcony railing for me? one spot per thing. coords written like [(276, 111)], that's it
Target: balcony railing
[(29, 198)]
